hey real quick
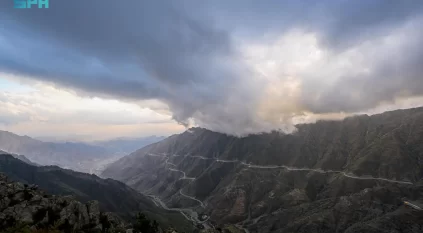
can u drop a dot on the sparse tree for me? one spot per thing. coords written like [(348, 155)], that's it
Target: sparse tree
[(144, 225)]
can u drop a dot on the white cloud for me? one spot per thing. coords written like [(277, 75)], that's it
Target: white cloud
[(305, 81), (43, 110), (231, 66)]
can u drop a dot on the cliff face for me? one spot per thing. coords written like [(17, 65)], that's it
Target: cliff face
[(26, 204), (257, 181)]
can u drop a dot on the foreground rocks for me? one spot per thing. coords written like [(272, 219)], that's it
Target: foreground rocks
[(27, 205)]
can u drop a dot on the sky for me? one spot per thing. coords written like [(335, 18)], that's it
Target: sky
[(102, 68)]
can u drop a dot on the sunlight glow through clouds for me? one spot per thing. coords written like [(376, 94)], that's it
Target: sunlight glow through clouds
[(235, 67), (298, 72), (290, 78)]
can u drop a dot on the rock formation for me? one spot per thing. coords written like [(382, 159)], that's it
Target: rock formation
[(27, 205)]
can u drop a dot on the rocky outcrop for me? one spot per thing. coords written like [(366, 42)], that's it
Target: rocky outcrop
[(26, 204)]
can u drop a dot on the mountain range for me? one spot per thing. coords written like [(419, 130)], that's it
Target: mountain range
[(127, 145), (361, 174), (111, 195), (354, 175), (84, 157)]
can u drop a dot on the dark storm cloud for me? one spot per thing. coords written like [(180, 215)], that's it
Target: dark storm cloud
[(135, 37), (135, 49), (338, 22), (185, 53)]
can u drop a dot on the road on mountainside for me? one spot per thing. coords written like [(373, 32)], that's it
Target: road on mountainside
[(189, 214), (416, 207), (192, 198), (226, 161), (185, 177), (323, 171), (193, 216), (248, 165)]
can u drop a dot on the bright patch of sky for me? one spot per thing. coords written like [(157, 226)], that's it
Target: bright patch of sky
[(42, 110), (7, 85)]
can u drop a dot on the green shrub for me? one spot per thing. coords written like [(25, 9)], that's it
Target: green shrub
[(144, 225), (18, 228)]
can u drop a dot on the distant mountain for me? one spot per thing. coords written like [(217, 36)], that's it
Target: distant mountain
[(76, 156), (113, 196), (332, 176), (20, 157), (128, 145)]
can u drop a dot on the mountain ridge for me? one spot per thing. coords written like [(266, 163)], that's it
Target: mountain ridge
[(26, 208), (112, 196), (241, 179), (84, 157), (77, 156)]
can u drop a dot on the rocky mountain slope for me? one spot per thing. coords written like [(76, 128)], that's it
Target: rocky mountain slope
[(332, 176), (112, 196), (27, 207)]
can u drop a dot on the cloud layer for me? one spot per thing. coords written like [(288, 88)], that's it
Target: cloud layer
[(44, 111), (237, 67)]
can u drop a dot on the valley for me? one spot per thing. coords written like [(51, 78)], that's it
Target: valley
[(194, 217), (88, 157)]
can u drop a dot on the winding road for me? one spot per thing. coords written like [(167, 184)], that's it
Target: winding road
[(375, 178), (193, 216), (226, 161), (254, 166), (189, 214), (200, 157), (416, 207), (192, 198), (185, 177), (352, 176)]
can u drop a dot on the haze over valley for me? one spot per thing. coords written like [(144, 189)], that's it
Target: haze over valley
[(91, 157)]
